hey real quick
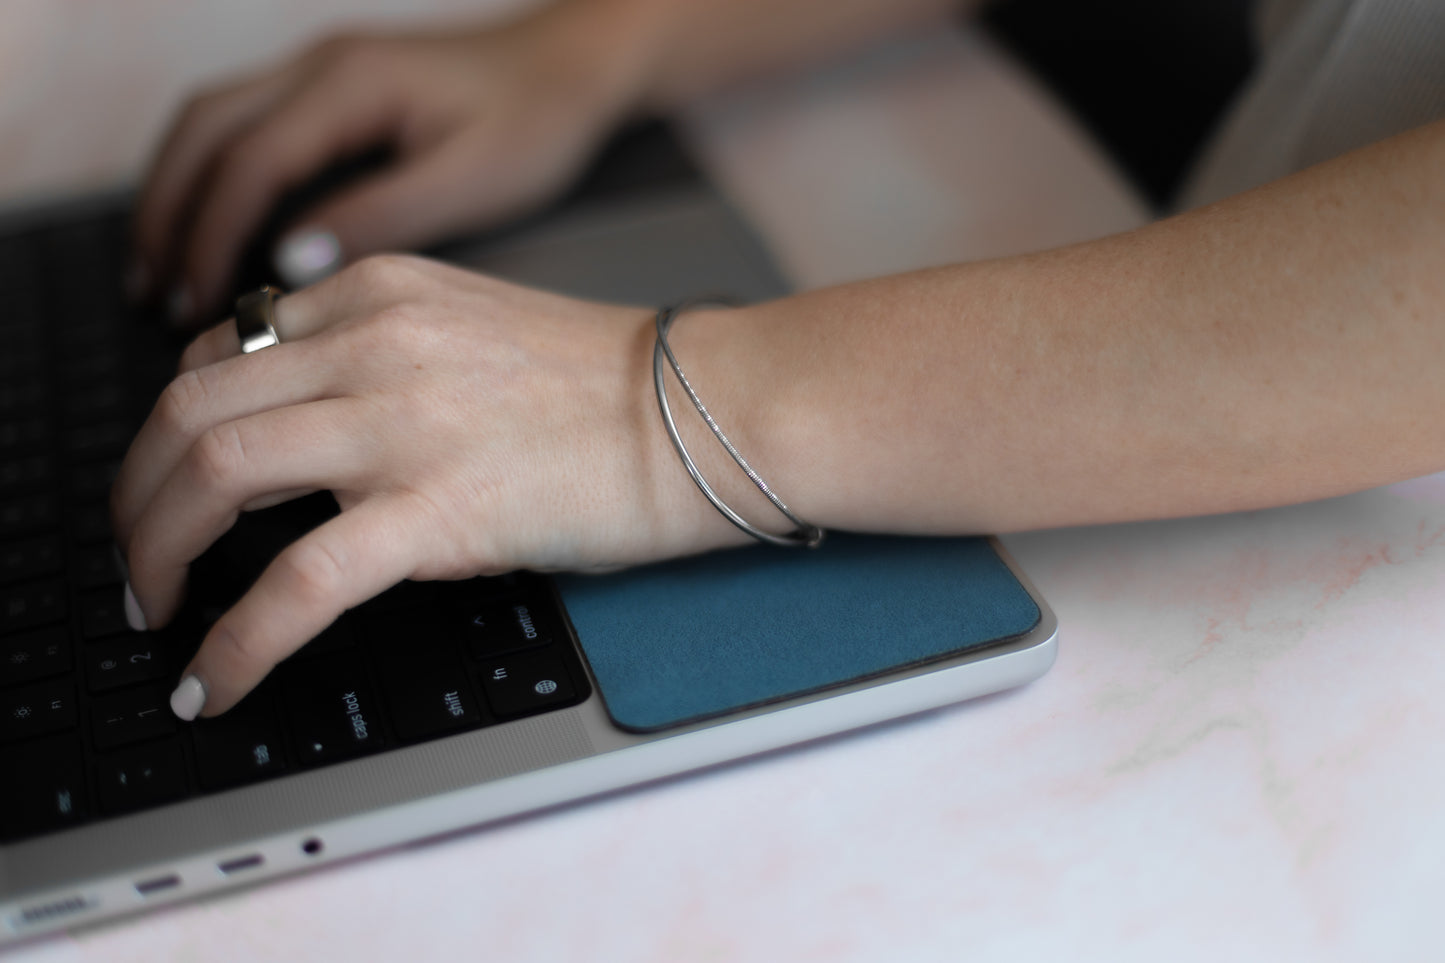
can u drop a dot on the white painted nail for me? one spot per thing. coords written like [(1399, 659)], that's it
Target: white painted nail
[(134, 617), (189, 698), (181, 305), (306, 256), (137, 281)]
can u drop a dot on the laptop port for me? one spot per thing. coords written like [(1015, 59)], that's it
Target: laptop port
[(150, 887), (232, 866)]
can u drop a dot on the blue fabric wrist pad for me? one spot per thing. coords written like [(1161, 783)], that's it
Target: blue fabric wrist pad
[(692, 639)]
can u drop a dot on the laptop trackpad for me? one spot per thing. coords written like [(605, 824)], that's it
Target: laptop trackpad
[(694, 639)]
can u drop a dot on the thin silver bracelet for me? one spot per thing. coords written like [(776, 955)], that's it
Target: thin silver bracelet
[(804, 534)]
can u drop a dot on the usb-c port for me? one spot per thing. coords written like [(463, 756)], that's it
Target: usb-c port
[(150, 887), (232, 866)]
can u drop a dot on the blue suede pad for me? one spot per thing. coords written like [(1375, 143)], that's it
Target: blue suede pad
[(687, 640)]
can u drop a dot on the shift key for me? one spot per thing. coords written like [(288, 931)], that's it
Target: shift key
[(331, 712), (428, 693)]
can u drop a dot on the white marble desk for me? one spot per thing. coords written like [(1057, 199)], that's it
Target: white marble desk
[(1238, 755)]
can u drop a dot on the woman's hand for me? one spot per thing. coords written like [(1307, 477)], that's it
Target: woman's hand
[(466, 426), (482, 125)]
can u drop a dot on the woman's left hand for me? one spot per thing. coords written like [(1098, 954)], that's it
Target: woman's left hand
[(466, 426)]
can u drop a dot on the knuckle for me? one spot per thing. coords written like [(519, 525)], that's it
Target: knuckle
[(313, 572), (385, 274), (400, 326), (178, 403), (217, 457), (236, 649)]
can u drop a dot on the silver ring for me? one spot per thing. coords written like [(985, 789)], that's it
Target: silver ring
[(256, 319)]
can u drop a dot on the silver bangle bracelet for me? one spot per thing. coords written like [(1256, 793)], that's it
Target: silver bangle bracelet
[(804, 534)]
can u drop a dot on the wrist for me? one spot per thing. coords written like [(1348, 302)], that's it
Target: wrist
[(725, 355), (613, 47)]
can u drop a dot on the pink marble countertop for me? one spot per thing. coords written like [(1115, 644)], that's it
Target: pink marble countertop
[(1237, 756)]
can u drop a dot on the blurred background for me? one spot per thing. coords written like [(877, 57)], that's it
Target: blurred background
[(86, 86), (1041, 123)]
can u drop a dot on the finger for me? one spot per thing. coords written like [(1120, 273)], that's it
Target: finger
[(285, 450), (335, 114), (341, 564), (412, 204), (205, 125), (197, 400), (296, 316)]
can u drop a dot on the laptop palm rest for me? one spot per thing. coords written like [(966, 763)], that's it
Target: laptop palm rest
[(689, 640)]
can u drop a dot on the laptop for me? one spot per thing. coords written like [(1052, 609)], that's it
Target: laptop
[(436, 706)]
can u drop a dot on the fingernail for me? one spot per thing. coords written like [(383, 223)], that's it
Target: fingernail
[(189, 698), (306, 256), (137, 281), (181, 305), (134, 617)]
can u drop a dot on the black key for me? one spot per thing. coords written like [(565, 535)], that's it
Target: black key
[(406, 595), (31, 604), (93, 566), (91, 368), (23, 345), (36, 711), (18, 436), (31, 559), (130, 717), (34, 655), (330, 711), (91, 482), (494, 629), (90, 523), (95, 336), (337, 637), (114, 664), (106, 439), (527, 682), (241, 746), (427, 693), (140, 777), (102, 613), (44, 787), (27, 473), (20, 395), (32, 513), (95, 402)]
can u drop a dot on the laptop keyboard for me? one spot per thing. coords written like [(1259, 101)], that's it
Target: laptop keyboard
[(86, 731)]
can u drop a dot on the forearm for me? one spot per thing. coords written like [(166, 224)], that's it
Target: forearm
[(1283, 345)]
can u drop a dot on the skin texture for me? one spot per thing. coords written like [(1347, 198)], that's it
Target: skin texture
[(466, 426), (1279, 346)]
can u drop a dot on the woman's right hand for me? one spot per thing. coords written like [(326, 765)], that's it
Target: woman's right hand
[(482, 125)]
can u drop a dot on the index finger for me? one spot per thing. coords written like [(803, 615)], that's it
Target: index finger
[(354, 556)]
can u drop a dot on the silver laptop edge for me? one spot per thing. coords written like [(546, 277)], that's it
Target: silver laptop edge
[(209, 844), (123, 865)]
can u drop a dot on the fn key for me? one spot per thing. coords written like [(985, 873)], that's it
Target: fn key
[(525, 683)]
